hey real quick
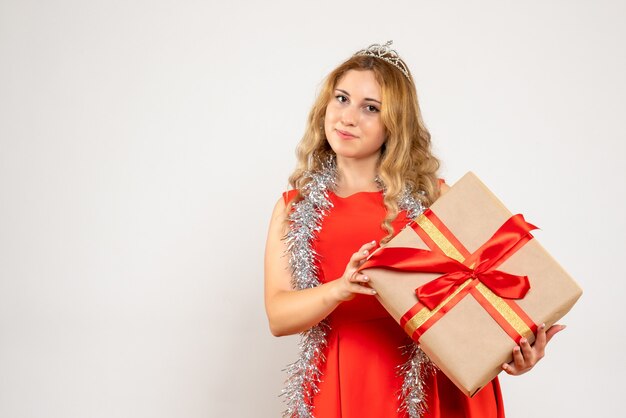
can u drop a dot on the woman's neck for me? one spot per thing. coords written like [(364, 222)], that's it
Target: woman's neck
[(356, 175)]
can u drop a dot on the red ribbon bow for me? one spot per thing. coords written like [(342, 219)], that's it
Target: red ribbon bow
[(514, 233)]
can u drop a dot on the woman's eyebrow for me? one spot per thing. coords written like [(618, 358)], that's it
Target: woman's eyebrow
[(367, 98)]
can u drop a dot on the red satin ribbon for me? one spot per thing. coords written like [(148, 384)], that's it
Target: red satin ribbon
[(506, 240)]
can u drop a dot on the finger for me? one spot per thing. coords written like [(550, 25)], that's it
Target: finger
[(363, 290), (527, 352), (518, 358), (359, 278), (367, 246), (363, 252), (357, 257), (362, 261), (509, 369), (554, 329), (540, 341), (351, 273)]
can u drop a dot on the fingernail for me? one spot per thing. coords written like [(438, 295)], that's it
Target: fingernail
[(365, 278), (365, 252), (517, 349), (373, 292), (505, 366), (522, 341), (373, 242), (542, 326)]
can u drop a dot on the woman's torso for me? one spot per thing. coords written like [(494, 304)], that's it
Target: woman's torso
[(365, 346)]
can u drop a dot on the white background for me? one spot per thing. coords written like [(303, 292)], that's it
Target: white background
[(143, 145)]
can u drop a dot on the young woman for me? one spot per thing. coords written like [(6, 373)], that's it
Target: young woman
[(365, 168)]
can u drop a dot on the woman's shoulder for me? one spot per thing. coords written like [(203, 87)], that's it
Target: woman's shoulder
[(289, 195)]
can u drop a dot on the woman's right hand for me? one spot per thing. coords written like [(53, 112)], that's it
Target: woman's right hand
[(292, 311), (351, 282)]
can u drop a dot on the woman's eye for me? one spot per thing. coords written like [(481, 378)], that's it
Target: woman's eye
[(341, 98), (373, 109)]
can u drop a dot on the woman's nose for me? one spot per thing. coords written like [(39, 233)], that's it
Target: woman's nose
[(349, 115)]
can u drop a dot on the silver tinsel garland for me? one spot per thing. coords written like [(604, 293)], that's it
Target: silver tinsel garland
[(412, 394), (305, 374), (305, 221), (415, 370)]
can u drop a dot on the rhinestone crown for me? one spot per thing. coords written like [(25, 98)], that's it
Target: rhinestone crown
[(386, 54)]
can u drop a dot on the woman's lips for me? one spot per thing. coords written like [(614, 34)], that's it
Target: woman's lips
[(345, 135)]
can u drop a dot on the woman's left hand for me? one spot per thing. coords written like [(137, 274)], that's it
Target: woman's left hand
[(526, 356)]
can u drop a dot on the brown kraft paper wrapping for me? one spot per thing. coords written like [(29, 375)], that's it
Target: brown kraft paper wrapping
[(467, 344)]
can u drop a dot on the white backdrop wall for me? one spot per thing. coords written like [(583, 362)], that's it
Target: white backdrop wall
[(144, 143)]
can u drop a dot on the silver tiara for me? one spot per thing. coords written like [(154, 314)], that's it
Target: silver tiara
[(386, 54)]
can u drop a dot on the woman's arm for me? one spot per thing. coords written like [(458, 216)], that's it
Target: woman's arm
[(290, 311)]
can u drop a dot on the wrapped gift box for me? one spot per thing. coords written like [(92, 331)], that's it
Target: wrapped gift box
[(469, 331)]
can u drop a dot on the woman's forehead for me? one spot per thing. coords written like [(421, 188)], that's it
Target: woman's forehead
[(360, 83)]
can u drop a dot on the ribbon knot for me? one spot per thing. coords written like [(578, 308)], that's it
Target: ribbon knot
[(506, 240)]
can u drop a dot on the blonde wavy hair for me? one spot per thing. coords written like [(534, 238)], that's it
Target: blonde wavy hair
[(406, 159)]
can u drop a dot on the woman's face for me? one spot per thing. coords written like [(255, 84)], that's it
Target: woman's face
[(353, 124)]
